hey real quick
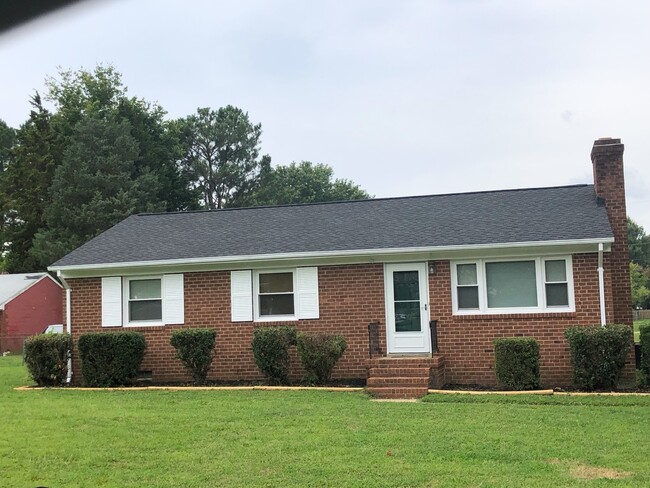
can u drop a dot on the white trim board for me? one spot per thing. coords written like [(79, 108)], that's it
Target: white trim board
[(317, 258)]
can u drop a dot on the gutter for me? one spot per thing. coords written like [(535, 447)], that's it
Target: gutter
[(68, 318), (601, 285), (279, 257)]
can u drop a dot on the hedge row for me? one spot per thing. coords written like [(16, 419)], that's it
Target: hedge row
[(318, 353), (598, 355), (644, 344), (112, 358)]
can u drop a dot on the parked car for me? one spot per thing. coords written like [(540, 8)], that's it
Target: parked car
[(54, 329)]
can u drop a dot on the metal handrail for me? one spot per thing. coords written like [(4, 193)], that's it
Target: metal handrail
[(433, 328), (374, 347)]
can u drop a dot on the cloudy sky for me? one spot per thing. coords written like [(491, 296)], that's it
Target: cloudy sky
[(402, 97)]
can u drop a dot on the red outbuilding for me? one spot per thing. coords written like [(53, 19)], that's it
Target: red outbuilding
[(29, 303)]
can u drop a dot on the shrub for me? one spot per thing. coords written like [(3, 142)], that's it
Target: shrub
[(271, 351), (195, 349), (644, 344), (517, 362), (598, 354), (319, 354), (46, 358), (110, 358)]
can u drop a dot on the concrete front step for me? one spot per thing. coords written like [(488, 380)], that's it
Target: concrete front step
[(397, 392), (398, 381)]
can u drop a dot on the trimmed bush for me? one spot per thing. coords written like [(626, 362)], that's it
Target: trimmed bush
[(271, 351), (46, 358), (195, 349), (110, 358), (517, 363), (644, 344), (319, 354), (598, 354)]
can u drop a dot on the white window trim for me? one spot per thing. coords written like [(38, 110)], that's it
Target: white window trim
[(540, 271), (256, 294), (125, 301)]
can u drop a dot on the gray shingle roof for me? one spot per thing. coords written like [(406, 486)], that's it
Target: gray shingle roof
[(507, 216)]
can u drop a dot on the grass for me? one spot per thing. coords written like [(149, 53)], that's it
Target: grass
[(315, 438), (637, 326)]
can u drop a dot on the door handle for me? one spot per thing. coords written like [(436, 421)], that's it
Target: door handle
[(425, 306)]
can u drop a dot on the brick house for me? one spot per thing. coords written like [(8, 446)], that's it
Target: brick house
[(28, 304), (419, 286)]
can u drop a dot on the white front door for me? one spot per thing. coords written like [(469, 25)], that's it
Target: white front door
[(407, 308)]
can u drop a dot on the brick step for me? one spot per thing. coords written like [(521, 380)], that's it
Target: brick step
[(397, 393), (398, 371), (398, 382), (400, 362)]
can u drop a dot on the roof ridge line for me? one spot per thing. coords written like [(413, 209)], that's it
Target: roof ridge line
[(364, 200)]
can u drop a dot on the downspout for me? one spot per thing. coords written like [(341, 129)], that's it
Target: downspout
[(601, 285), (68, 325)]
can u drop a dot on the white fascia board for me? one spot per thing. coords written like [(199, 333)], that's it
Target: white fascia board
[(334, 257)]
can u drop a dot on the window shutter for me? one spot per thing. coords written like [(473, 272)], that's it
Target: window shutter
[(173, 300), (241, 296), (307, 293), (112, 301)]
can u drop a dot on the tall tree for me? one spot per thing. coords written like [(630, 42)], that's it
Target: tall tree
[(638, 243), (640, 284), (222, 154), (303, 183), (26, 182), (93, 189), (77, 98), (7, 140), (100, 93)]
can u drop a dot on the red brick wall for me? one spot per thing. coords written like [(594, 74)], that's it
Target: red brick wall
[(30, 313), (466, 341), (350, 298)]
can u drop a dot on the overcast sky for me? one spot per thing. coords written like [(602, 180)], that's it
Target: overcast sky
[(402, 97)]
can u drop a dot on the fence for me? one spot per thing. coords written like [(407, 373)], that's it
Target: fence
[(640, 314), (12, 343)]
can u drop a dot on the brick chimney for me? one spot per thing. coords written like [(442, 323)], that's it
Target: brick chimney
[(609, 184)]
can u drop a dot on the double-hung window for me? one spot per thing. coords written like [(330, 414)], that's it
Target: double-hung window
[(144, 300), (137, 301), (512, 285), (275, 294)]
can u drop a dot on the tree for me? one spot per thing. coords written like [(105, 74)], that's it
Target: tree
[(100, 93), (7, 140), (93, 189), (640, 281), (303, 183), (638, 243), (25, 186), (221, 155)]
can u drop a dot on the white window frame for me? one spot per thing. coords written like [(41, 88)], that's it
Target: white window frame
[(126, 300), (540, 276), (256, 296)]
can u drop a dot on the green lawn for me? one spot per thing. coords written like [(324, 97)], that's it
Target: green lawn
[(310, 438), (637, 324)]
